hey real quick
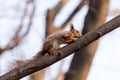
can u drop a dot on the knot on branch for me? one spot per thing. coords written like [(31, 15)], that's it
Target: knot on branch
[(99, 34)]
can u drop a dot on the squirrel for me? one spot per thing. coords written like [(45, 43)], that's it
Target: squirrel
[(52, 43)]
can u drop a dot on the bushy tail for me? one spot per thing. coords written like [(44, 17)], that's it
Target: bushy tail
[(17, 63)]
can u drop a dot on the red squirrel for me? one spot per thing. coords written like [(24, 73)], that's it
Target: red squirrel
[(52, 43)]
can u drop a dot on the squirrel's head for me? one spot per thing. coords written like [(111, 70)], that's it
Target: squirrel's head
[(68, 37), (75, 32)]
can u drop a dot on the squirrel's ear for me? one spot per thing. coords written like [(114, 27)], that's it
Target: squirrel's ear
[(71, 27)]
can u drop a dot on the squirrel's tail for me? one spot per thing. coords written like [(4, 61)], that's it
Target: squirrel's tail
[(17, 63)]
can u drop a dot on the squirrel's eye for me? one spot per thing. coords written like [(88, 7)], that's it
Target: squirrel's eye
[(77, 31)]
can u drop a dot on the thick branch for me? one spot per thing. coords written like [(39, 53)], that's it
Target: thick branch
[(49, 22), (48, 60)]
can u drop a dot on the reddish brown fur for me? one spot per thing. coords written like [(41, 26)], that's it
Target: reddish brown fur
[(53, 41)]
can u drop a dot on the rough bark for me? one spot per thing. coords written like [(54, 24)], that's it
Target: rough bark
[(48, 60), (81, 63)]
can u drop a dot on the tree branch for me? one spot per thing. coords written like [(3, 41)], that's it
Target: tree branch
[(82, 59), (48, 60), (17, 38), (81, 4), (58, 7)]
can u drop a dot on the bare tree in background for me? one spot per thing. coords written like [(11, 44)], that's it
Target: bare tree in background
[(81, 63), (17, 38)]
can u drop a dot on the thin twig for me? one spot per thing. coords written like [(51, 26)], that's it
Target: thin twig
[(20, 26), (17, 38)]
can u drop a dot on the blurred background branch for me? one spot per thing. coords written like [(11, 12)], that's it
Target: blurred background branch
[(17, 38)]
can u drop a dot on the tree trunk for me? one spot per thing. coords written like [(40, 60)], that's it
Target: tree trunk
[(81, 63)]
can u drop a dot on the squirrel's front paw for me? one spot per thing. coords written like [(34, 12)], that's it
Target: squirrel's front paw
[(52, 52)]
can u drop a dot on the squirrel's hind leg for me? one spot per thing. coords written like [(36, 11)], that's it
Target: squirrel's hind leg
[(54, 48)]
